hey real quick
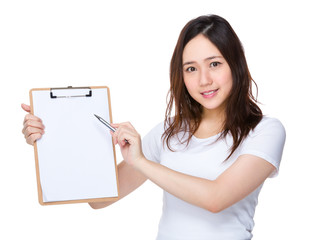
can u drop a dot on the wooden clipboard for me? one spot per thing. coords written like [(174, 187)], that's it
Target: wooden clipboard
[(75, 158)]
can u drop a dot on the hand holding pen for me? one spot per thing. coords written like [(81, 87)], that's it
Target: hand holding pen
[(129, 140), (108, 125)]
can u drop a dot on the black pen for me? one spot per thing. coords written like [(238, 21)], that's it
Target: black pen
[(107, 125)]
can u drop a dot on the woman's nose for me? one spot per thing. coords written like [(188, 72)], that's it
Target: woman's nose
[(205, 78)]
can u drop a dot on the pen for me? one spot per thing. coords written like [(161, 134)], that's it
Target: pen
[(107, 125)]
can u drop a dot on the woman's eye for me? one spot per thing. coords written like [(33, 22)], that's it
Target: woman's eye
[(214, 64), (190, 69)]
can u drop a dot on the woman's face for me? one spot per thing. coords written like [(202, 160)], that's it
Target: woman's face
[(207, 75)]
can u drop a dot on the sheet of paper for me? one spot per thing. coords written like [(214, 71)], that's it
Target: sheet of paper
[(76, 158)]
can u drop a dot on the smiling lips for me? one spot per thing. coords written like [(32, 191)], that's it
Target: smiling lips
[(209, 94)]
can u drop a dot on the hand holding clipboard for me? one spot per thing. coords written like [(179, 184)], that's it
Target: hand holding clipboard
[(33, 128)]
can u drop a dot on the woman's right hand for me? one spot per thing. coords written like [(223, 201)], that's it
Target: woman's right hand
[(33, 127)]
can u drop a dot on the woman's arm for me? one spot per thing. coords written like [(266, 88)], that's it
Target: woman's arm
[(129, 179), (238, 181)]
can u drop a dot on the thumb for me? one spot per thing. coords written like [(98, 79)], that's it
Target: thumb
[(26, 107)]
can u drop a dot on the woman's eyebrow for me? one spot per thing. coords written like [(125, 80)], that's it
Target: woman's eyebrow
[(212, 57), (188, 63), (206, 59)]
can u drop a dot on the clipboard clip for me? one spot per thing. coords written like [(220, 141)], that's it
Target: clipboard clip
[(63, 93)]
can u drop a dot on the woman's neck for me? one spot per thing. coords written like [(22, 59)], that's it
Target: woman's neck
[(211, 124)]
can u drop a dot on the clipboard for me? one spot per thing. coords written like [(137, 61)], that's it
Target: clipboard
[(75, 159)]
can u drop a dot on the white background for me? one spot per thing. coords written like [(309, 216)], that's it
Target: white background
[(127, 46)]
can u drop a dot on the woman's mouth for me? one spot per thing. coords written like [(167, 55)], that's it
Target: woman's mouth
[(209, 94)]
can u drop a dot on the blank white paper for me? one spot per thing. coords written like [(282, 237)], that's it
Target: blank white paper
[(75, 155)]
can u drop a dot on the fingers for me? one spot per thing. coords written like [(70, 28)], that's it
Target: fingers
[(33, 128), (129, 141), (30, 117), (26, 107), (115, 125), (125, 133), (31, 139)]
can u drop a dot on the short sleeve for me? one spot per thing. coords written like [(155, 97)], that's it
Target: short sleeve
[(152, 143), (266, 141)]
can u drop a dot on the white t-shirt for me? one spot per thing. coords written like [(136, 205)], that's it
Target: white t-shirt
[(205, 158)]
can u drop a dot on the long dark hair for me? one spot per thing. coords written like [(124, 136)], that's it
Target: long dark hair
[(242, 112)]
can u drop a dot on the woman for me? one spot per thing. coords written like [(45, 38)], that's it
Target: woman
[(212, 157)]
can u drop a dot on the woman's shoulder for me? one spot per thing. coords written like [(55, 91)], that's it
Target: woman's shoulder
[(266, 120), (155, 133), (270, 126), (266, 141), (151, 143), (159, 128)]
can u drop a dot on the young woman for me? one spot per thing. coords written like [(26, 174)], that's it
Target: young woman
[(212, 157)]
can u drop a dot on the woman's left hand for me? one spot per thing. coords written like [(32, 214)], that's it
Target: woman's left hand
[(129, 141)]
